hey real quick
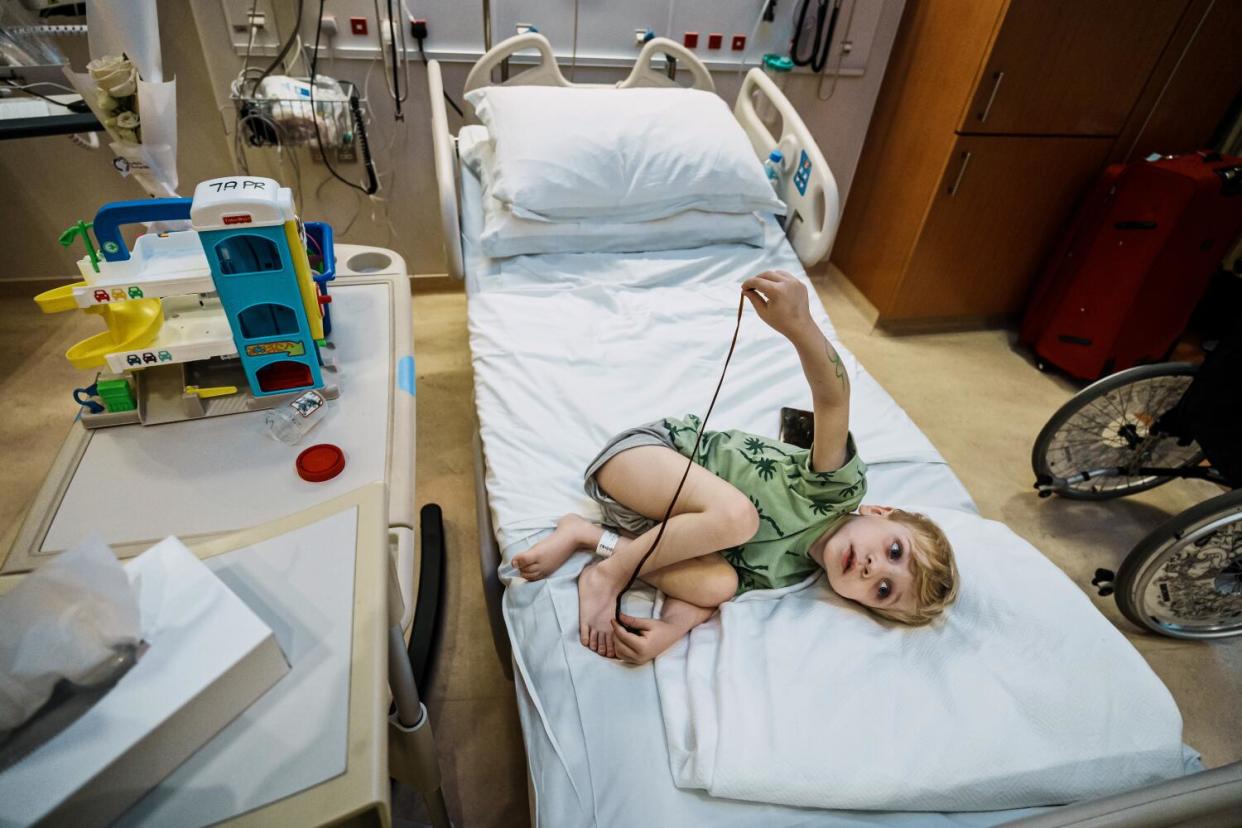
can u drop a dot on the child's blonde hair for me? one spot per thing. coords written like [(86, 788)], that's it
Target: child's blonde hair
[(932, 567)]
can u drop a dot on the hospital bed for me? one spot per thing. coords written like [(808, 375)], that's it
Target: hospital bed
[(560, 366)]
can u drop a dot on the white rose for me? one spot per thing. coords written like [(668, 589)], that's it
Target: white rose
[(115, 75), (127, 86), (104, 65), (105, 101), (127, 120), (127, 135)]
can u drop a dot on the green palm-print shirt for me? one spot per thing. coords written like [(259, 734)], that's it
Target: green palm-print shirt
[(796, 505)]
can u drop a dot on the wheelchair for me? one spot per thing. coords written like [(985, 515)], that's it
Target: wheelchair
[(1138, 429)]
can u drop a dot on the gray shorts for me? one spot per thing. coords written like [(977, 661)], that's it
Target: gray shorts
[(615, 514)]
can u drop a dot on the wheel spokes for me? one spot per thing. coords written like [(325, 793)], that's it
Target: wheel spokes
[(1114, 430), (1198, 588)]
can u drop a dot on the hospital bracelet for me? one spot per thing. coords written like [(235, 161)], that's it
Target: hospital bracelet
[(607, 543)]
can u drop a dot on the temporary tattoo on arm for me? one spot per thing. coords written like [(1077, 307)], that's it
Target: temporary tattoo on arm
[(837, 366)]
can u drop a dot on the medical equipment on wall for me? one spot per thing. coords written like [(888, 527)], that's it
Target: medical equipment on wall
[(281, 103), (284, 111), (824, 27), (391, 28), (822, 30)]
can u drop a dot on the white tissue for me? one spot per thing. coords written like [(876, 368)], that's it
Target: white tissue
[(64, 620)]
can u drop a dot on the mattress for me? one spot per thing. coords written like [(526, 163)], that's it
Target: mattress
[(550, 335)]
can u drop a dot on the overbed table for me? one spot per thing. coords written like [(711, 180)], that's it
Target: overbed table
[(221, 483)]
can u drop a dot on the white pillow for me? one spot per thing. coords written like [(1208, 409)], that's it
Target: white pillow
[(628, 154), (507, 234)]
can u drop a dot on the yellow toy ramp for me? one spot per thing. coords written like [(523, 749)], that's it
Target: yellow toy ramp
[(58, 300), (131, 325)]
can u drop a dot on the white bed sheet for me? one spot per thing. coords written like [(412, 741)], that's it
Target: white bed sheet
[(529, 318)]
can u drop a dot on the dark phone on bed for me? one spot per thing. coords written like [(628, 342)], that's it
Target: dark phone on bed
[(797, 427)]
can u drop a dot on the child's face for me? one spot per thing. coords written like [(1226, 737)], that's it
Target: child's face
[(868, 560)]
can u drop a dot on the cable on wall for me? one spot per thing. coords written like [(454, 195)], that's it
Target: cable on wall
[(825, 28), (396, 62), (284, 50), (372, 185), (841, 51), (573, 61)]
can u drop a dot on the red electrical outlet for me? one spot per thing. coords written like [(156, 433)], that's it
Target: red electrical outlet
[(714, 40), (690, 40), (358, 25), (739, 42)]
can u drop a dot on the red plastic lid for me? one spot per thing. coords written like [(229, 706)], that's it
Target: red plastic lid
[(320, 462)]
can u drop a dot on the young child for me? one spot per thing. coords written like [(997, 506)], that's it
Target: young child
[(754, 513)]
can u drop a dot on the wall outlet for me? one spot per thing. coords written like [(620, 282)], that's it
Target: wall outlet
[(715, 40), (739, 42), (238, 16), (690, 40), (358, 25)]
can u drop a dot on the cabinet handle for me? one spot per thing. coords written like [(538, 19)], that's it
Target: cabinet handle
[(957, 182), (996, 82)]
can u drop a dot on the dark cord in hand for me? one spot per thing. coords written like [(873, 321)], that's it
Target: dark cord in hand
[(668, 513)]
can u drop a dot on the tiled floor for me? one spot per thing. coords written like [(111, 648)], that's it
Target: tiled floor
[(980, 402)]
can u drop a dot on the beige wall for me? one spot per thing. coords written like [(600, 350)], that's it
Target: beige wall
[(46, 183)]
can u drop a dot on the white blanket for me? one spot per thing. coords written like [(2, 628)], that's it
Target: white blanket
[(1024, 695)]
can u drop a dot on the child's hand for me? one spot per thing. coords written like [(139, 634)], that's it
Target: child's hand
[(781, 302), (653, 638)]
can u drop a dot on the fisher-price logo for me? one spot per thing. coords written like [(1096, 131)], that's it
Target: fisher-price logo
[(239, 218)]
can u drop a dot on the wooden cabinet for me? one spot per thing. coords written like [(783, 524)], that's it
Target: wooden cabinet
[(1069, 67), (968, 176), (996, 212)]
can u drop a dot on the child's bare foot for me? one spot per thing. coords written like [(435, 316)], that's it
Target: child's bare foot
[(545, 557), (597, 600)]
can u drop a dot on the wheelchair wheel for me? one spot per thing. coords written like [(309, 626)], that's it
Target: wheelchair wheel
[(1107, 425), (1185, 578)]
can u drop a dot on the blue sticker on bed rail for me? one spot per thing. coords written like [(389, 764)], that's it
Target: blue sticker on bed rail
[(405, 374), (803, 176)]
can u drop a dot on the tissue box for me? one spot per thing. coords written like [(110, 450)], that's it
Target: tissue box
[(209, 658)]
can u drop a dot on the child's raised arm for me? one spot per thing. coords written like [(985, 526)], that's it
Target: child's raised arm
[(781, 302)]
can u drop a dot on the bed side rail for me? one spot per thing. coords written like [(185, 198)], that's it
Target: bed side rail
[(1210, 798), (546, 72), (543, 73), (809, 187), (644, 74), (489, 562), (444, 156)]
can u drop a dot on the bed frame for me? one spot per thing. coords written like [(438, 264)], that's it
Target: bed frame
[(814, 200), (1211, 798)]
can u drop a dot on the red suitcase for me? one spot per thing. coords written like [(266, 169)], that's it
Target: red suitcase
[(1138, 256)]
